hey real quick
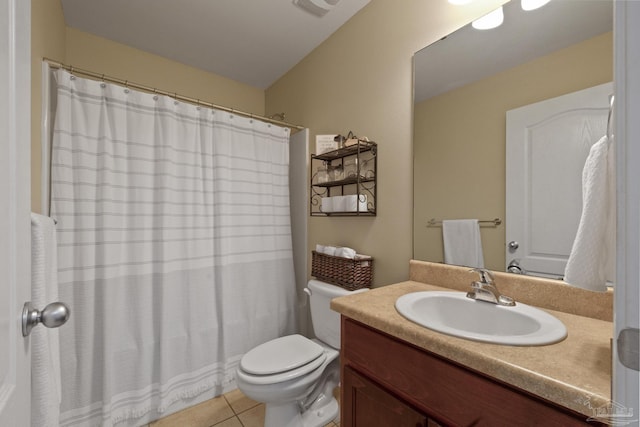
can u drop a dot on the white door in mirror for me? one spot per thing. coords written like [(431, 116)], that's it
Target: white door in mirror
[(547, 145)]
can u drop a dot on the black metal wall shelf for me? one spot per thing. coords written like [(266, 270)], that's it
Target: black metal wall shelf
[(348, 171)]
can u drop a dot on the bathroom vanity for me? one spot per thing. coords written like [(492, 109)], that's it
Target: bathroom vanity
[(397, 373)]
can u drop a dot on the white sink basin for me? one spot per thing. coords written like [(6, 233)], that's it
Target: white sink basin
[(453, 313)]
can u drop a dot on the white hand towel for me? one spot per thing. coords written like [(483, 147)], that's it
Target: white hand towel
[(462, 243), (592, 254), (45, 347)]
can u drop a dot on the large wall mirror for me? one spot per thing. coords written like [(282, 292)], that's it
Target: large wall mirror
[(464, 86)]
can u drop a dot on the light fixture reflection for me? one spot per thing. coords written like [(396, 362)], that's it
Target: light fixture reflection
[(490, 20), (533, 4)]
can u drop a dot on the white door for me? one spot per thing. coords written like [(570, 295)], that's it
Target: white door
[(15, 223), (547, 145)]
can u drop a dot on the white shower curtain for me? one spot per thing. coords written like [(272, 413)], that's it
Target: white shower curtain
[(174, 247)]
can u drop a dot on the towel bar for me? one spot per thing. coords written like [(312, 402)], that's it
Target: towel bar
[(487, 222)]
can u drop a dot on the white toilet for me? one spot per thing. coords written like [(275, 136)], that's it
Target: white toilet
[(295, 376)]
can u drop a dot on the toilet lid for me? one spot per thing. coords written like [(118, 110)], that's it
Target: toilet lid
[(280, 355)]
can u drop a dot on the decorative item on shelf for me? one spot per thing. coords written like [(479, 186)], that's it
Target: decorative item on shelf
[(336, 173), (351, 168), (369, 174), (321, 176), (325, 143), (351, 140)]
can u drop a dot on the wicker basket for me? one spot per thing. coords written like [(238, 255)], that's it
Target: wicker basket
[(347, 273)]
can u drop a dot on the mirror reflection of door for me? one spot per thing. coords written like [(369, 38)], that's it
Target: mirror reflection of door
[(547, 145)]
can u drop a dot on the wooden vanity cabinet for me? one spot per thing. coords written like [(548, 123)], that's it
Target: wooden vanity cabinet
[(389, 382), (371, 405)]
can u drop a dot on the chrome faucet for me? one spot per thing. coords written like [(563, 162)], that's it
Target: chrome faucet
[(485, 289)]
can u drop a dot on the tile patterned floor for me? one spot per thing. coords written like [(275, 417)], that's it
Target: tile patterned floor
[(232, 409)]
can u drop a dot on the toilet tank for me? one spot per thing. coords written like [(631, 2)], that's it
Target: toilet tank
[(326, 322)]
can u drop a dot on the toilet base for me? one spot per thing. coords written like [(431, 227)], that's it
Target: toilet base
[(288, 414), (319, 417)]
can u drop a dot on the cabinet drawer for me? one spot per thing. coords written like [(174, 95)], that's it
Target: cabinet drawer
[(447, 392)]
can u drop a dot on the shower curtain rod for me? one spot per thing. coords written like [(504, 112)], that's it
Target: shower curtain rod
[(126, 83)]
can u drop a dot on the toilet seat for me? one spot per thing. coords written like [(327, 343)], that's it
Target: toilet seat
[(281, 359)]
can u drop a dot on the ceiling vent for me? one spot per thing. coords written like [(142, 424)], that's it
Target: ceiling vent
[(316, 7)]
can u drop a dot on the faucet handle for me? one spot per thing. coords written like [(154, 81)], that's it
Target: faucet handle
[(485, 275)]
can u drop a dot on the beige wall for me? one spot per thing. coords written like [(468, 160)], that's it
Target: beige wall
[(84, 50), (52, 39), (460, 141), (360, 79)]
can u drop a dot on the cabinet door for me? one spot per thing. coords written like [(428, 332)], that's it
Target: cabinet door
[(368, 405), (454, 395)]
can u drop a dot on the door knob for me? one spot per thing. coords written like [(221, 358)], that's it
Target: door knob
[(514, 267), (53, 315), (513, 245)]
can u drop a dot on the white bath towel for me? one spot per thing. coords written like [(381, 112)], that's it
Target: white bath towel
[(462, 243), (592, 254), (45, 347)]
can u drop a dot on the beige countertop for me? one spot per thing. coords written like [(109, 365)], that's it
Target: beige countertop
[(575, 373)]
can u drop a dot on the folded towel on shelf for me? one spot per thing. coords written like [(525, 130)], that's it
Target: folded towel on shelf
[(355, 203), (462, 243), (590, 262), (45, 346), (327, 204)]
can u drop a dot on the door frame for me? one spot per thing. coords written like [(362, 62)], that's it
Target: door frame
[(15, 223), (625, 381)]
